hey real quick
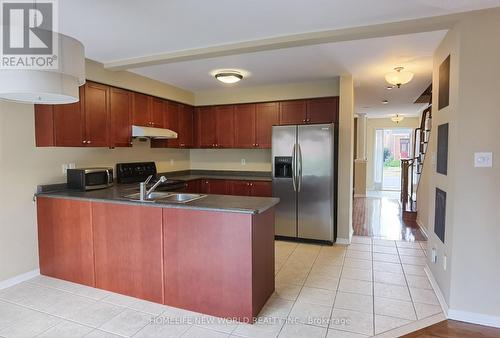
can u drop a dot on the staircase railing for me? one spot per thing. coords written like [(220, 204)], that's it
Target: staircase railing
[(411, 168)]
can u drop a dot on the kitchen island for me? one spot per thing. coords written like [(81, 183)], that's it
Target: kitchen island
[(214, 255)]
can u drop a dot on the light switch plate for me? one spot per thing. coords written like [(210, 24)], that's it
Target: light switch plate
[(483, 160)]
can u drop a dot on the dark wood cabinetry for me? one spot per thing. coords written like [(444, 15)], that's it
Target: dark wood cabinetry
[(128, 250), (65, 239), (266, 116), (293, 112), (96, 113), (120, 103), (105, 115), (218, 187), (323, 110), (251, 188)]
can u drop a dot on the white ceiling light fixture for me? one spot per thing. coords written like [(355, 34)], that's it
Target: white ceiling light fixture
[(399, 77), (229, 76), (39, 85), (397, 118)]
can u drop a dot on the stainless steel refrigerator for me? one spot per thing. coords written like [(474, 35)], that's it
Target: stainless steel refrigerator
[(304, 162)]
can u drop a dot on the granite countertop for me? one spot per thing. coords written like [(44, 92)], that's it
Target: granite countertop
[(226, 203), (190, 175)]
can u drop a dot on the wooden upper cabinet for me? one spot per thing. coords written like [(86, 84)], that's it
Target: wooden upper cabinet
[(293, 112), (186, 126), (157, 118), (206, 124), (244, 126), (44, 125), (323, 110), (141, 108), (69, 123), (96, 110), (172, 122), (267, 116), (120, 116), (224, 116)]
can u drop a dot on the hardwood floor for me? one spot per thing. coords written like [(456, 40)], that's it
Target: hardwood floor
[(380, 217), (455, 329)]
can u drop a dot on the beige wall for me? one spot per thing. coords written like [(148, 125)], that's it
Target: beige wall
[(230, 159), (290, 91), (471, 280), (381, 123), (346, 159)]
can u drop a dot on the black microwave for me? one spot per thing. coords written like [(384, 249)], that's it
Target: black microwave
[(89, 178)]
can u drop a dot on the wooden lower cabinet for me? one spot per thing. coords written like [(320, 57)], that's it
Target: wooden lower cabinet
[(65, 239), (128, 250), (251, 188), (218, 263), (218, 187)]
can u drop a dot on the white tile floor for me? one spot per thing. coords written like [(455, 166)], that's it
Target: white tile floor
[(321, 291)]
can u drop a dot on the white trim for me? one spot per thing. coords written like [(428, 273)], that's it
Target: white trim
[(343, 241), (437, 290), (422, 228), (19, 279), (359, 195), (474, 317), (412, 327)]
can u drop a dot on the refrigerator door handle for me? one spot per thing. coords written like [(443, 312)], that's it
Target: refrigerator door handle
[(294, 169), (299, 175)]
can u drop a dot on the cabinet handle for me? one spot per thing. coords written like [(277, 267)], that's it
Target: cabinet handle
[(257, 145), (182, 145), (84, 141), (88, 142)]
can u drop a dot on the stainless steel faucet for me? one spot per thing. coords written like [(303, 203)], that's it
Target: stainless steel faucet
[(143, 192)]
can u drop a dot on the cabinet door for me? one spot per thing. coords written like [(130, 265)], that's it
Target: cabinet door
[(220, 187), (192, 187), (205, 122), (224, 116), (244, 126), (293, 112), (141, 110), (172, 122), (96, 115), (120, 115), (157, 113), (128, 250), (240, 188), (267, 116), (186, 126), (65, 239), (44, 125), (261, 189), (323, 110), (69, 123)]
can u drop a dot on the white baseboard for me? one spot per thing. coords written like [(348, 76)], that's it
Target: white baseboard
[(19, 279), (343, 241), (474, 318), (422, 228), (437, 290)]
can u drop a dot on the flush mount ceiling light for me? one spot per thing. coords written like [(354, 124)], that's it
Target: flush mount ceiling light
[(399, 77), (385, 102), (41, 85), (229, 76), (397, 118)]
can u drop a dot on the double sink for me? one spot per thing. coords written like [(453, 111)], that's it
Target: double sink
[(165, 197)]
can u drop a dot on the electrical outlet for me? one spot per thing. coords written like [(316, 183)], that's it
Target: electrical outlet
[(444, 262), (65, 168), (483, 160), (71, 166), (243, 161), (172, 162)]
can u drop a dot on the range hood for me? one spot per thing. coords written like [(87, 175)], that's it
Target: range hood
[(153, 133)]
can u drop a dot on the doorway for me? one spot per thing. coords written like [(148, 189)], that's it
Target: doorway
[(391, 146)]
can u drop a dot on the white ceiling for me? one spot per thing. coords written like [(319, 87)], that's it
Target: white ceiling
[(119, 29)]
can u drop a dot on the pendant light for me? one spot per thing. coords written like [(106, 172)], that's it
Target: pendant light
[(399, 77), (52, 78)]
